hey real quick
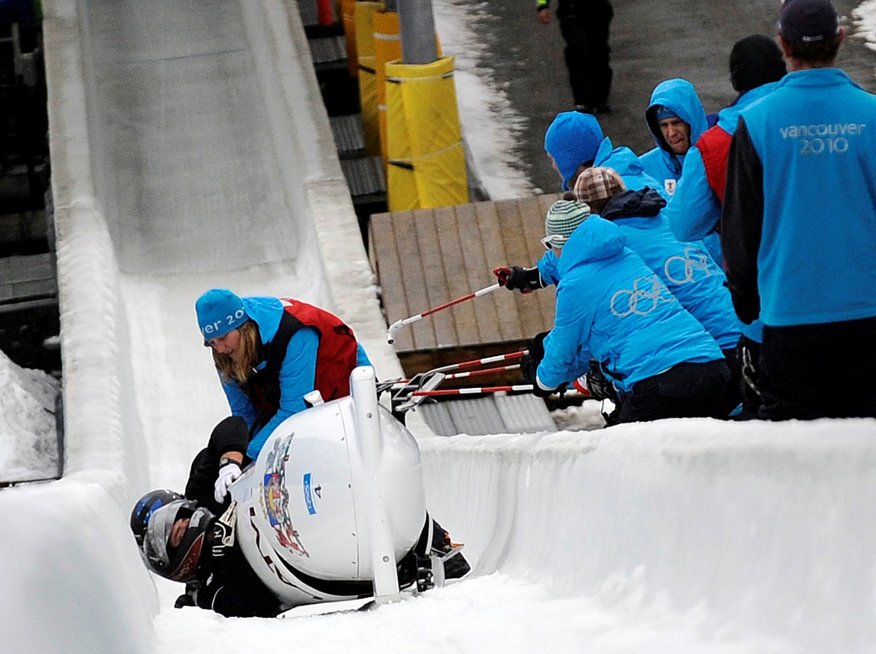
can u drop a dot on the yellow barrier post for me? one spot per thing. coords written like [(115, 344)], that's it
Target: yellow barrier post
[(367, 75), (387, 47), (425, 153), (347, 11)]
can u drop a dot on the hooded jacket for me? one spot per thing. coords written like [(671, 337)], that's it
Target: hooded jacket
[(625, 162), (688, 271), (680, 97), (612, 308)]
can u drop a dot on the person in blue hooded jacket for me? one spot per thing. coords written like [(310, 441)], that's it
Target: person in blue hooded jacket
[(574, 141), (676, 119), (798, 227), (688, 271), (613, 309), (694, 211)]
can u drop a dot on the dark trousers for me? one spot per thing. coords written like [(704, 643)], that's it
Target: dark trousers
[(748, 359), (587, 53), (686, 390), (819, 371), (733, 393), (230, 434)]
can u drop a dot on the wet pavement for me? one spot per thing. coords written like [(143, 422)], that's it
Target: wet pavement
[(651, 41)]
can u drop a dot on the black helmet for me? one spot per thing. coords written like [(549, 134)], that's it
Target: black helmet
[(179, 563), (144, 508)]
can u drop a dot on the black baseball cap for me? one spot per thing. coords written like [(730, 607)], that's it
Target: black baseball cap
[(808, 21)]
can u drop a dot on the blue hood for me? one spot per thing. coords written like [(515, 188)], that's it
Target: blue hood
[(595, 239), (681, 98)]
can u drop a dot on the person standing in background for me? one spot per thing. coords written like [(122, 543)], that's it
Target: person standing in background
[(798, 228), (584, 25)]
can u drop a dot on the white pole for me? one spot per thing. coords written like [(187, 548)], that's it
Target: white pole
[(379, 533)]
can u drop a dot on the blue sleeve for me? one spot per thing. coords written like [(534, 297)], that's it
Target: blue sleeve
[(547, 268), (297, 378), (362, 356), (239, 403), (566, 347), (694, 211)]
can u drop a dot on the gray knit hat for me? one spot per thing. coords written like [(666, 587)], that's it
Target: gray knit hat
[(562, 219)]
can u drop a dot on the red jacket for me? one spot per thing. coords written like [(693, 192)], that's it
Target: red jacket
[(714, 145)]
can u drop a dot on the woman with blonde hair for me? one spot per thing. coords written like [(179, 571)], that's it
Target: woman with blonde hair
[(270, 352)]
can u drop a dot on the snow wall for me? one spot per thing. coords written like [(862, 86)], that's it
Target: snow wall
[(72, 578), (742, 527)]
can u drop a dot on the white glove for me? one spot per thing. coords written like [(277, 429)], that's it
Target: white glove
[(227, 474)]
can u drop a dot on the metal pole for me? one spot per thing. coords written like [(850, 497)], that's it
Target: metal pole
[(417, 27)]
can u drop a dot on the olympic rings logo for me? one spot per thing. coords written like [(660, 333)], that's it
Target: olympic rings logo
[(683, 269), (642, 299)]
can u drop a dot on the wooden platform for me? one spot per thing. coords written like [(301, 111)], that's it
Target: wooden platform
[(427, 257)]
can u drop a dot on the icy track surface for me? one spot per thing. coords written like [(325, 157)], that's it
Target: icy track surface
[(190, 150)]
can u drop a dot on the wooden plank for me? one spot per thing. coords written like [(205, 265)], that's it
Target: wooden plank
[(391, 276), (547, 296), (520, 220), (478, 275), (504, 310), (434, 276), (449, 237), (415, 283), (427, 257), (385, 263)]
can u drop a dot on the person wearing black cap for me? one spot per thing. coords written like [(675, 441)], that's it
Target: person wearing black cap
[(798, 227), (694, 213)]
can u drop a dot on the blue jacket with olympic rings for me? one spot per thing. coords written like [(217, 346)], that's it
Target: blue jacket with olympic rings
[(686, 268), (612, 308), (626, 164)]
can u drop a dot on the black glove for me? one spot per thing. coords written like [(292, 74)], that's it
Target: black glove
[(538, 391), (515, 278), (529, 362), (599, 385)]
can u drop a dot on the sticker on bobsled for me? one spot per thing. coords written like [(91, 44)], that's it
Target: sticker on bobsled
[(275, 497), (308, 495)]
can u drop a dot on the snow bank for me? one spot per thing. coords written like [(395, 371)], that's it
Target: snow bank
[(28, 433), (71, 540), (742, 528)]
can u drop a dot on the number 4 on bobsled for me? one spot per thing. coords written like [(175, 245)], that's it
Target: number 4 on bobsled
[(333, 509)]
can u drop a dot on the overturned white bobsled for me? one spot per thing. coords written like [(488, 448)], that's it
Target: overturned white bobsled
[(334, 502)]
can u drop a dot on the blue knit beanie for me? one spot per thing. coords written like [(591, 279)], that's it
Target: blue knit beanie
[(572, 139), (662, 112), (219, 311)]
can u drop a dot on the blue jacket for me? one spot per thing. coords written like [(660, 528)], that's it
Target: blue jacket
[(694, 212), (626, 164), (681, 97), (297, 372), (799, 222), (612, 308), (686, 268)]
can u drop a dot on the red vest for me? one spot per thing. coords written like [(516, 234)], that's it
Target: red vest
[(336, 356), (714, 145)]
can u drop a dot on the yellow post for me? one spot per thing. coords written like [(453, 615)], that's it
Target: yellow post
[(347, 11), (387, 47), (367, 75), (426, 158)]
